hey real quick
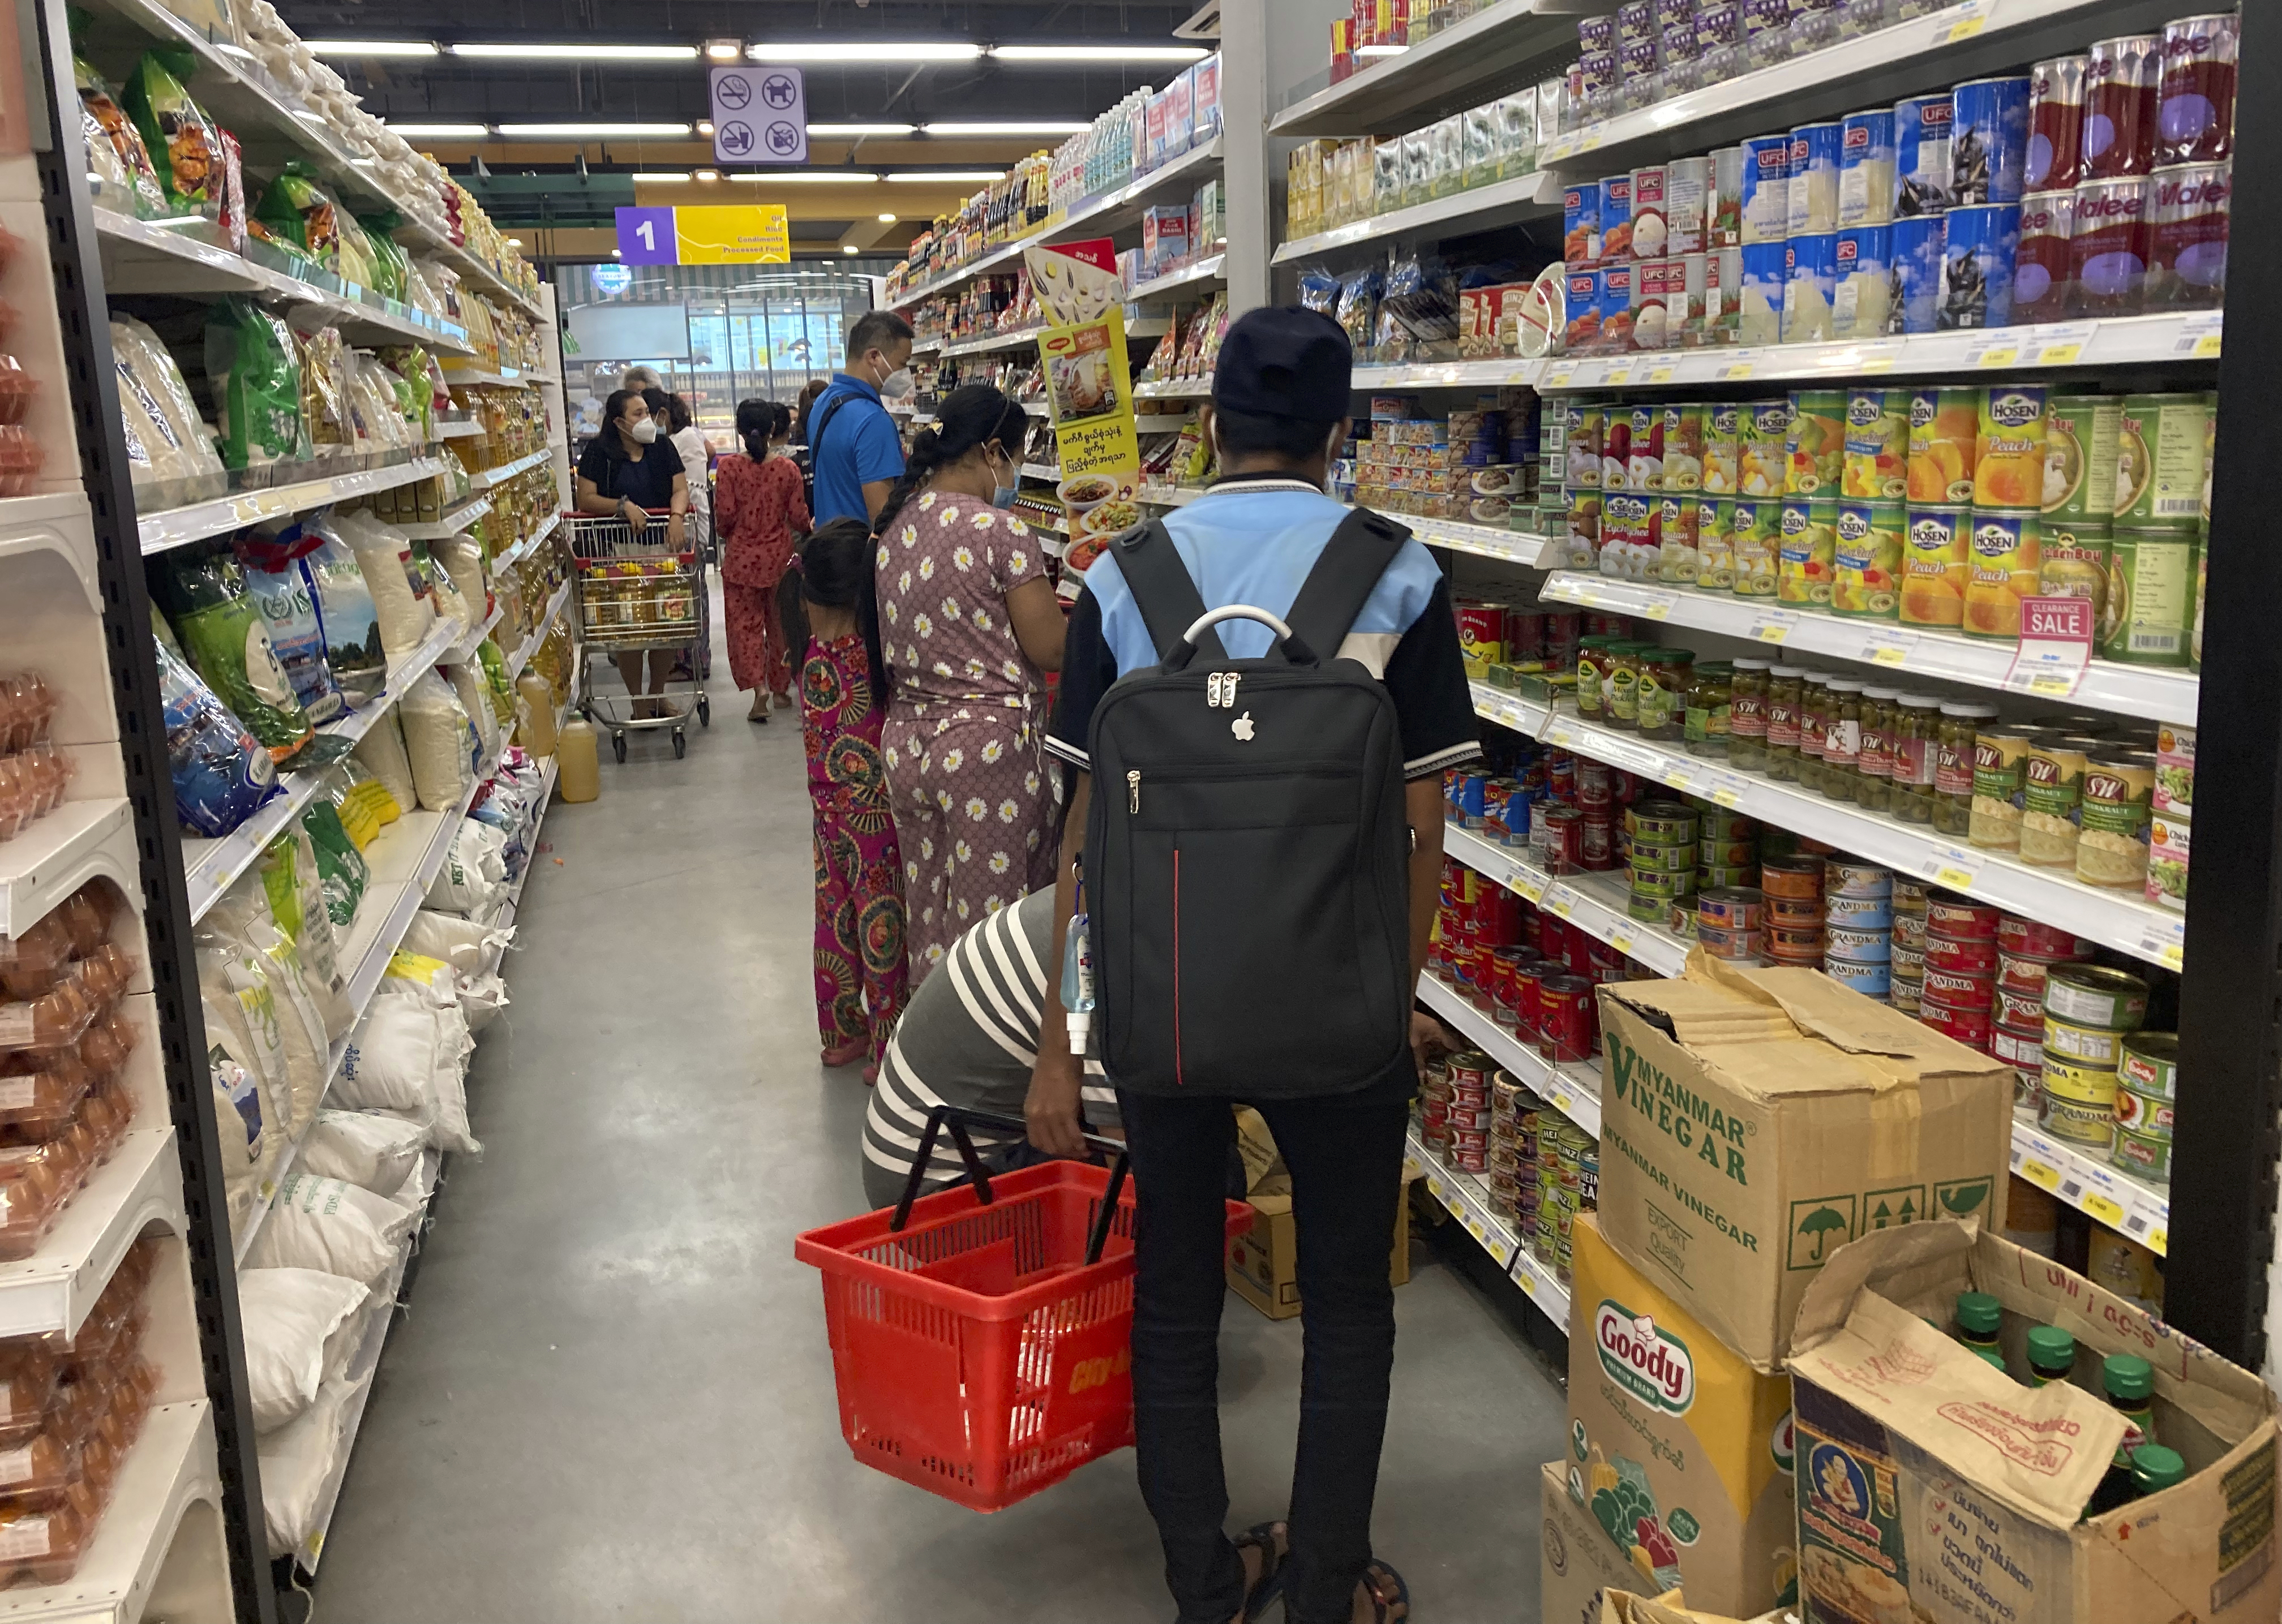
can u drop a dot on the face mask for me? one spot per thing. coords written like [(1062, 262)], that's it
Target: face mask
[(1002, 496), (898, 383), (645, 431)]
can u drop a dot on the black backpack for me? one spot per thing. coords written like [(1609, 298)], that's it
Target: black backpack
[(1246, 855)]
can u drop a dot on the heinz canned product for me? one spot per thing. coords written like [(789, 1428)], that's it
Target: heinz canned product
[(2005, 559), (1978, 245), (1937, 565), (1651, 230), (2043, 289), (1915, 267), (1988, 141), (1810, 269), (1581, 219), (1867, 559), (2055, 157), (2194, 112), (1766, 274), (1866, 168), (1921, 168), (1861, 296), (2093, 995), (1813, 207), (2191, 203), (2160, 469), (1765, 195), (2121, 77), (2110, 242)]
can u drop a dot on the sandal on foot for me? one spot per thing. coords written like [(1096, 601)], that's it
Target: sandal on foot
[(1389, 1595), (1273, 1541), (847, 1054)]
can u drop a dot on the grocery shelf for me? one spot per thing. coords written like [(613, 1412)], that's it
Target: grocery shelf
[(142, 258), (1527, 197), (1595, 903), (1460, 67), (1483, 372), (60, 522), (486, 479), (53, 1290), (464, 650), (528, 546), (451, 524), (520, 658), (210, 868), (1174, 389), (1021, 340), (1467, 1201), (1169, 496), (2152, 693), (509, 375), (2116, 1199), (1204, 270), (173, 527), (1572, 1090), (1523, 547), (1041, 470), (1925, 53), (2115, 919), (1107, 213), (458, 429), (60, 852), (170, 1468)]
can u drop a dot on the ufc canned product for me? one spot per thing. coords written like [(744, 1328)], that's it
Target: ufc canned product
[(1805, 566), (2159, 467), (2150, 1065), (1764, 463), (1988, 141), (2148, 618), (2186, 269), (2005, 553), (1979, 243), (1922, 166), (1580, 220), (1861, 292), (1686, 193), (1760, 297), (1937, 565), (1915, 263), (2055, 155), (1651, 233), (2093, 995), (2194, 111), (1724, 209), (1616, 217), (2111, 239), (1582, 335), (1764, 197), (1616, 308), (1810, 276), (2043, 289), (1866, 168), (2122, 78), (1813, 208)]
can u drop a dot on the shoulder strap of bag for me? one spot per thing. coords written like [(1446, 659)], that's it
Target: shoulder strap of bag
[(1163, 590), (1344, 578), (816, 435)]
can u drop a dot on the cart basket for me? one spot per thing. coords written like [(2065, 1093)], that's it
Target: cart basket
[(980, 1335)]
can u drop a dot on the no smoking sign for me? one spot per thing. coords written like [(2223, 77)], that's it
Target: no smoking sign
[(760, 115)]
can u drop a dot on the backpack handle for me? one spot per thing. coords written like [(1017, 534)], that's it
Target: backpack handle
[(1295, 650)]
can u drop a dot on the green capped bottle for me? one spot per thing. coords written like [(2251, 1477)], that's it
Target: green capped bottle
[(1979, 1318), (2131, 1384), (2155, 1469), (2052, 1355)]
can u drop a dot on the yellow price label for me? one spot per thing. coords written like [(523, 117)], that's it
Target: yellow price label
[(1530, 892), (2059, 685), (1726, 796), (2207, 346), (2060, 354), (1955, 878), (1889, 654), (1659, 375), (1737, 369), (2000, 355), (1877, 363), (2158, 1241), (2173, 955), (1964, 28), (1659, 610), (1563, 904), (1771, 631), (1563, 1103), (1474, 1228), (1677, 778), (1559, 735), (1618, 374), (2105, 1210), (2036, 1172), (1558, 378), (1503, 1253), (1433, 1185), (1621, 941)]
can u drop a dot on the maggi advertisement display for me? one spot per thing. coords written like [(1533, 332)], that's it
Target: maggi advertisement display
[(1090, 392)]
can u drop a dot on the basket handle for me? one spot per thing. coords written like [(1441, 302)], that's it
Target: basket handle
[(957, 1118)]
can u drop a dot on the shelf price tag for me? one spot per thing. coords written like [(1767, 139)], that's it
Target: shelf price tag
[(1558, 378), (2039, 1173), (1657, 605), (1619, 373), (2165, 944), (2159, 1239), (1952, 868), (2105, 1210), (1994, 355), (2199, 336), (1735, 369), (1558, 899), (2054, 650), (1773, 625), (1890, 648), (1726, 795), (2060, 344), (1678, 777), (1660, 375), (1621, 939)]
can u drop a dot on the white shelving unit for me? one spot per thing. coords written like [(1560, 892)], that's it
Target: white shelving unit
[(455, 520), (1528, 197), (490, 479), (1468, 1201), (1572, 1089), (1526, 548), (54, 857), (521, 657), (1197, 272), (173, 527), (1022, 338), (2141, 1210), (1595, 903), (1392, 94)]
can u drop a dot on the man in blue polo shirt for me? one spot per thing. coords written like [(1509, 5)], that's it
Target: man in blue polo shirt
[(853, 448), (1277, 418)]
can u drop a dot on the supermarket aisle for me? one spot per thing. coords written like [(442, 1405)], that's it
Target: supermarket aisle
[(612, 1397)]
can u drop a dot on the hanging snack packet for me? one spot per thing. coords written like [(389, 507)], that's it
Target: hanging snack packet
[(222, 773), (346, 618), (392, 267), (233, 194), (227, 643), (255, 371), (115, 153), (300, 216), (184, 146), (358, 262), (288, 607)]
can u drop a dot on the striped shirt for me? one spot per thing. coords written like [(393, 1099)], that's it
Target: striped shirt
[(969, 1037)]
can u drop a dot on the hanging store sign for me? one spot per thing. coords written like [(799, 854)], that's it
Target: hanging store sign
[(1090, 392), (722, 234)]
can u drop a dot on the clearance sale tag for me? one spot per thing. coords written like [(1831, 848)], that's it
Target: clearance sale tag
[(1090, 392)]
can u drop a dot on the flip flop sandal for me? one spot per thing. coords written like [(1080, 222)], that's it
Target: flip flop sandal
[(1272, 1541), (1386, 1591)]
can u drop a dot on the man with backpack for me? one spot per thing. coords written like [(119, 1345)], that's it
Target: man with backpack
[(1259, 695), (855, 454)]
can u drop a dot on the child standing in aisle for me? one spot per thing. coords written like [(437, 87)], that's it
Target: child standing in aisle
[(860, 976), (761, 512)]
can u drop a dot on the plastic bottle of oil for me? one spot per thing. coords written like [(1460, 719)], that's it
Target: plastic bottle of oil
[(576, 750), (539, 702)]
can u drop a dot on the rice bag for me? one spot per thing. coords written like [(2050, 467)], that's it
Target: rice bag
[(381, 751), (115, 152), (184, 146), (439, 741), (228, 642), (289, 609), (365, 792), (222, 773), (400, 599), (156, 407), (255, 369), (340, 866), (346, 618)]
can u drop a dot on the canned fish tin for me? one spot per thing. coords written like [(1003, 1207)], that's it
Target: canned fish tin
[(1861, 293), (1648, 859), (2028, 939), (2055, 155), (1871, 980), (2085, 1084), (1580, 220), (1731, 909), (1910, 933), (1664, 887), (2005, 554), (1797, 878), (1664, 823), (1866, 168), (1957, 956), (1921, 165), (1988, 141), (1857, 946), (2141, 1114), (2083, 1046), (1843, 877), (2016, 1051), (1813, 180), (2021, 1014), (1810, 278), (1742, 947), (2194, 114), (2111, 239), (1765, 195), (2077, 1123), (2160, 475), (1971, 1027), (1759, 298), (2148, 618), (2093, 995), (1961, 920), (2043, 289), (2150, 1066), (1570, 1019), (1979, 243), (2081, 443), (2191, 205), (1914, 265), (2143, 1156)]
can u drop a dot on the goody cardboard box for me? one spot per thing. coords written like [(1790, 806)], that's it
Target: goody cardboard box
[(1619, 1607), (1264, 1260), (1933, 1486), (1575, 1561), (1753, 1121), (1680, 1451)]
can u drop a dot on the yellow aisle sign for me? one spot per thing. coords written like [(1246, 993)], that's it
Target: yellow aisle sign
[(733, 234)]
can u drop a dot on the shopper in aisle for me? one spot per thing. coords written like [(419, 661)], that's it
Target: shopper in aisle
[(860, 981), (969, 621), (638, 378), (629, 471), (1254, 538), (762, 513), (696, 456), (854, 451)]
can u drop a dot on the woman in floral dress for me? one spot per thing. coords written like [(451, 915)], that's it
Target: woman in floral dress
[(968, 621), (860, 981)]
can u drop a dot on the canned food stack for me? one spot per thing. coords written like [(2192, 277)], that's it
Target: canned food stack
[(1906, 963), (2089, 1010), (1660, 839), (1569, 1182), (1727, 851), (2147, 1091), (1526, 969), (1731, 922), (1792, 885), (2171, 824), (2026, 953), (1858, 934), (1959, 998)]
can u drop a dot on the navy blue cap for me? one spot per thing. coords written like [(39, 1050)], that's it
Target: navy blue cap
[(1284, 361)]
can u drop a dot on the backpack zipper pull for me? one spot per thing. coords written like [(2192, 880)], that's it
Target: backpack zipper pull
[(1133, 791)]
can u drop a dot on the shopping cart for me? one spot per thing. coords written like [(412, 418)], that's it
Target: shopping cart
[(980, 1335), (637, 594)]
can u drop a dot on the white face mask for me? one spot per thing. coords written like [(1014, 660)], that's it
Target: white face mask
[(644, 432), (898, 383)]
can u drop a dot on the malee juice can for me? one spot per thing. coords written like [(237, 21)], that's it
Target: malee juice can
[(1915, 274), (2194, 114), (2043, 290), (1866, 168), (2110, 242), (2055, 158), (2188, 269), (2120, 82), (1977, 248), (1862, 289)]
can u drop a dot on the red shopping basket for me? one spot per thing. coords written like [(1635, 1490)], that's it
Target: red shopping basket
[(980, 1335)]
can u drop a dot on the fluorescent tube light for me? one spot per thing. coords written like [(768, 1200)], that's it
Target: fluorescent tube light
[(1011, 126), (441, 132), (510, 51), (862, 129), (371, 48), (922, 176), (1097, 53), (910, 51), (591, 132), (664, 177), (838, 177)]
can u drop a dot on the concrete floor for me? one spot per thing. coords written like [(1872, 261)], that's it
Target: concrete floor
[(611, 1397)]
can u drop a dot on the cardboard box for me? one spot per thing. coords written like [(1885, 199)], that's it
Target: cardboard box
[(1681, 1451), (1933, 1486), (1755, 1120), (1263, 1261), (1616, 1607), (1575, 1562)]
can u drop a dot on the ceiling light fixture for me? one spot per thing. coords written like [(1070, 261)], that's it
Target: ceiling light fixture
[(704, 126), (618, 253), (442, 132), (863, 130), (515, 242), (708, 174), (591, 132), (723, 51), (910, 52), (1097, 53), (372, 47), (509, 50), (886, 219), (836, 177), (1013, 126), (665, 177), (849, 248), (922, 176)]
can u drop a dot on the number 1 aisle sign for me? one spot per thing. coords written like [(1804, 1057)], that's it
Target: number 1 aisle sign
[(728, 234), (646, 238)]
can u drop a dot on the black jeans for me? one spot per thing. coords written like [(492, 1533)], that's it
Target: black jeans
[(1345, 1152)]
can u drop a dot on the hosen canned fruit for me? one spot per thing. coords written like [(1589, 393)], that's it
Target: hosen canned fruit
[(2073, 1120), (2194, 112), (2122, 78), (2149, 614), (1861, 289), (1756, 542), (1875, 466), (2055, 154), (2150, 1065), (1763, 459), (1978, 247), (1809, 551), (1921, 167), (1723, 441), (1582, 427), (2162, 471), (1914, 265), (2111, 239), (1815, 445), (2005, 552), (1937, 565), (1988, 141), (1683, 446), (1866, 168), (1643, 449), (1867, 559), (2187, 267), (2043, 289), (1945, 444), (2093, 995)]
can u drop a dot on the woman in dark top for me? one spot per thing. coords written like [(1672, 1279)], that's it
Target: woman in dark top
[(630, 467)]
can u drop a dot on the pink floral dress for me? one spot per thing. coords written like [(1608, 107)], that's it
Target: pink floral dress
[(973, 812)]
